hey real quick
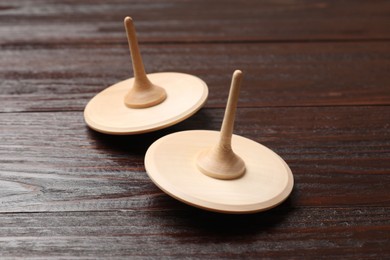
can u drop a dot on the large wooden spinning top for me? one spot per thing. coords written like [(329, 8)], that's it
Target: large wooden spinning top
[(219, 171), (146, 102)]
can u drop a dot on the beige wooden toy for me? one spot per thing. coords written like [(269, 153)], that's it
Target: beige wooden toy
[(146, 102), (219, 171)]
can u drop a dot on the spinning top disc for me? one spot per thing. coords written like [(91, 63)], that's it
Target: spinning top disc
[(199, 168), (170, 163), (107, 112), (147, 102)]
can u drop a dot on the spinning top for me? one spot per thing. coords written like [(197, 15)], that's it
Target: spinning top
[(146, 102), (219, 171)]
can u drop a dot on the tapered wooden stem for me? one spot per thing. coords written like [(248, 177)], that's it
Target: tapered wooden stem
[(220, 161), (143, 93)]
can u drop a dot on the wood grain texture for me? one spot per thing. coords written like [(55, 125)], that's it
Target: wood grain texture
[(191, 233), (315, 90), (53, 162), (46, 22), (62, 78)]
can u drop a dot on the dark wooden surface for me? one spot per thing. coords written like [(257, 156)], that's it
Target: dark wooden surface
[(316, 91)]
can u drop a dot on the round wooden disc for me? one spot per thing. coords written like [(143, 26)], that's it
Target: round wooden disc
[(107, 112), (171, 164)]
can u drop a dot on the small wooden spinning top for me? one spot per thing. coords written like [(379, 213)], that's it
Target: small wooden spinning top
[(219, 171), (146, 102)]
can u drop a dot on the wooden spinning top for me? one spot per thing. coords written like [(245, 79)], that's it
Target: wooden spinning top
[(146, 102), (219, 171)]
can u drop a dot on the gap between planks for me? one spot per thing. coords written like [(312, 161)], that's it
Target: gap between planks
[(99, 43)]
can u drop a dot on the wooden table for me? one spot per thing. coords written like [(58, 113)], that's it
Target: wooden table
[(316, 91)]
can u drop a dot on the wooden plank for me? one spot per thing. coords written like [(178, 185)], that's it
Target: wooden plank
[(360, 232), (64, 78), (52, 22), (53, 162)]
